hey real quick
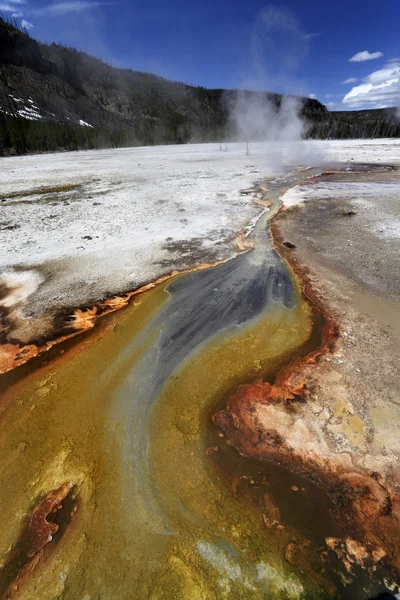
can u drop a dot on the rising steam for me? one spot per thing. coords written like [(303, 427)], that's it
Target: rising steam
[(257, 118), (276, 46)]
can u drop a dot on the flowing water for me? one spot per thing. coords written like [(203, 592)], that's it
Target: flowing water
[(166, 508)]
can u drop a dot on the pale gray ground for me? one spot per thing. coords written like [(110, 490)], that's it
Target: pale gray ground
[(353, 264), (134, 215), (352, 221)]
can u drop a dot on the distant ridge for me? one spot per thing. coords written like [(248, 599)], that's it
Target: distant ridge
[(53, 97)]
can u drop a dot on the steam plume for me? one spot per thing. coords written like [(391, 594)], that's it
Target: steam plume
[(277, 44)]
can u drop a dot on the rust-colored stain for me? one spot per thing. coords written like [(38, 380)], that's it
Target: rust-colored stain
[(85, 318), (363, 505), (48, 519), (290, 384), (360, 503)]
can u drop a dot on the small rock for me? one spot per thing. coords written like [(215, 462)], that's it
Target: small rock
[(289, 245)]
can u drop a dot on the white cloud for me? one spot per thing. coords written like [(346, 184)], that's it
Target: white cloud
[(312, 96), (26, 25), (309, 36), (9, 6), (17, 15), (365, 55), (350, 80), (333, 95), (380, 88), (62, 8)]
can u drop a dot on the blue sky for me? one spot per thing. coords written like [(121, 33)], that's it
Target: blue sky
[(297, 47)]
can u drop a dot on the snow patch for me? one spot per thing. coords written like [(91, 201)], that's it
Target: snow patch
[(7, 112), (29, 113), (84, 124), (15, 98)]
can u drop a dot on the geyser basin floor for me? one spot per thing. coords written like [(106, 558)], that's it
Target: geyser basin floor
[(79, 227), (166, 508), (153, 518), (345, 241)]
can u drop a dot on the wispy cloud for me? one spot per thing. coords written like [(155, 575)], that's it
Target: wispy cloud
[(312, 96), (276, 32), (26, 24), (350, 80), (309, 36), (333, 95), (10, 6), (14, 7), (365, 55), (380, 88), (58, 8), (62, 8)]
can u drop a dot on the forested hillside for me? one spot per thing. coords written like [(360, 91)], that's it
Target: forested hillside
[(54, 98), (373, 123)]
